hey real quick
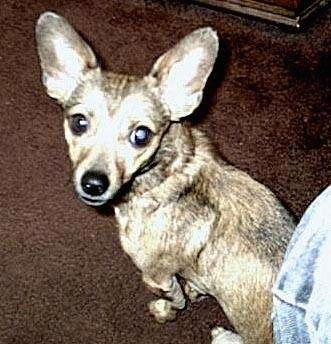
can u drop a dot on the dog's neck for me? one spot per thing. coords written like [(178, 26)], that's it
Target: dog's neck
[(175, 152)]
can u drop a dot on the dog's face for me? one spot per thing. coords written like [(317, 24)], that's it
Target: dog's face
[(114, 123)]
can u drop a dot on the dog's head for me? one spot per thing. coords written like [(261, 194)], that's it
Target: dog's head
[(114, 123)]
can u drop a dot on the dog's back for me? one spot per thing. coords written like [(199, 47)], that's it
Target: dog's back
[(251, 235)]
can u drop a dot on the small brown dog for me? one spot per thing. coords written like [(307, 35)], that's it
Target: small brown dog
[(182, 211)]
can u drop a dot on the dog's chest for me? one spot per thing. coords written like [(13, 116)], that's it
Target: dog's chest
[(152, 233), (143, 227)]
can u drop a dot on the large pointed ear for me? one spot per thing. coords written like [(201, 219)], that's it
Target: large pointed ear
[(64, 56), (182, 72)]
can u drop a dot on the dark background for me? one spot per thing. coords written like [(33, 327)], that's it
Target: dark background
[(63, 275)]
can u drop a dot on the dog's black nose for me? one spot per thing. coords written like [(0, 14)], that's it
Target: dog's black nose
[(94, 183)]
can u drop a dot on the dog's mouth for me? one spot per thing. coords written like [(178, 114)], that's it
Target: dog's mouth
[(112, 197), (92, 201)]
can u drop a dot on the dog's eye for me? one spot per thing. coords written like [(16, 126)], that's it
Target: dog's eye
[(79, 124), (140, 136)]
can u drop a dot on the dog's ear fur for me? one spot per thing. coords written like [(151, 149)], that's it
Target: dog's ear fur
[(64, 56), (182, 72)]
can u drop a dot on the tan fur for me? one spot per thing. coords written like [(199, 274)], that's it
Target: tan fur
[(181, 209)]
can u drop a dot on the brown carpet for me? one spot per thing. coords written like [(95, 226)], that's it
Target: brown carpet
[(63, 275)]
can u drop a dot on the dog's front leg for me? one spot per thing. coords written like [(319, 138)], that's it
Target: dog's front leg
[(165, 308)]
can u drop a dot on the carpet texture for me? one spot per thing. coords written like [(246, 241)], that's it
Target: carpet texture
[(63, 275)]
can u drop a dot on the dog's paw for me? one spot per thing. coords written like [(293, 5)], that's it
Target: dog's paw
[(192, 292), (162, 310), (222, 336)]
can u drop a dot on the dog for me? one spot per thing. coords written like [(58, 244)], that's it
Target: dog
[(181, 210)]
